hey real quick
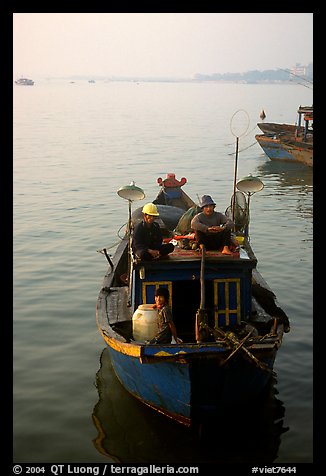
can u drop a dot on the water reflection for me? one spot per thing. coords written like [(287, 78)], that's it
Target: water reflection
[(293, 180), (286, 173), (130, 432)]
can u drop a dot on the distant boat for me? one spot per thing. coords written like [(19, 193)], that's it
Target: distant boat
[(91, 81), (24, 82), (262, 115), (290, 142)]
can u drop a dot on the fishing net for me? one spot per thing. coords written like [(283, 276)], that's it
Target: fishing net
[(241, 212), (183, 227)]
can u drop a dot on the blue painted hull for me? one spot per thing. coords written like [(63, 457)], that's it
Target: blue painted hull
[(274, 149), (288, 150), (194, 390)]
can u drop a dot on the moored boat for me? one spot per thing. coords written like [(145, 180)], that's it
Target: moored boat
[(277, 128), (226, 315), (284, 148), (304, 123), (293, 143)]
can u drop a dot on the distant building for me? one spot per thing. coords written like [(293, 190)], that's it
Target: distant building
[(299, 70), (310, 70), (303, 71)]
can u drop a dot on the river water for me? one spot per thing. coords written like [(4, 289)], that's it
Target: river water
[(75, 144)]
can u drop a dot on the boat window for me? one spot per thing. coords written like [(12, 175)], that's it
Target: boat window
[(227, 302), (148, 290)]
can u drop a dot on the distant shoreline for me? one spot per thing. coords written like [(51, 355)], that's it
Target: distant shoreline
[(268, 76), (166, 80)]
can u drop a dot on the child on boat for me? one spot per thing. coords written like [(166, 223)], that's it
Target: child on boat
[(166, 326)]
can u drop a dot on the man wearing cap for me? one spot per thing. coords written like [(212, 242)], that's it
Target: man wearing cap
[(212, 229), (147, 242)]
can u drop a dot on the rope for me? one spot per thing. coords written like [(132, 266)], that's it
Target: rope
[(254, 143), (107, 247), (114, 244), (124, 224), (247, 133)]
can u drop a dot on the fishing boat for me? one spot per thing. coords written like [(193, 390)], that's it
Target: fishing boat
[(227, 317), (287, 142), (303, 125), (277, 128), (286, 147), (24, 82)]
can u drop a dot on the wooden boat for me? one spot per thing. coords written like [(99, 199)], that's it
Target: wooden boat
[(286, 147), (24, 82), (293, 143), (277, 128), (305, 120), (227, 317)]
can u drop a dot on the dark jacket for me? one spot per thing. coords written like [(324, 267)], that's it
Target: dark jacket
[(145, 237)]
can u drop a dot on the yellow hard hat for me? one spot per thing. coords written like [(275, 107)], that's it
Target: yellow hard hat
[(150, 209)]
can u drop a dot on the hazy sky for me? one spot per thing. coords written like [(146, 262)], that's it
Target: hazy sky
[(158, 44)]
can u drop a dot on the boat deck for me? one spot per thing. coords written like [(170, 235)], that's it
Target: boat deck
[(181, 254)]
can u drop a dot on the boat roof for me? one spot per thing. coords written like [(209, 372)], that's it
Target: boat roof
[(305, 109), (211, 256)]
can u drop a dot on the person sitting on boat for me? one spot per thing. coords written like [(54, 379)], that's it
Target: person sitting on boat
[(147, 242), (166, 326), (212, 229)]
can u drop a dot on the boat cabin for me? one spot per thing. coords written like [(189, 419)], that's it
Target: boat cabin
[(227, 285), (218, 284)]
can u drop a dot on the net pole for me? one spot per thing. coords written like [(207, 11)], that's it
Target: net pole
[(235, 177)]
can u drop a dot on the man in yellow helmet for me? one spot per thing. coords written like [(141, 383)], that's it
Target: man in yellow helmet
[(147, 242)]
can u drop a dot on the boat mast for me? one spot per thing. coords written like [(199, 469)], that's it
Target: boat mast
[(239, 126), (130, 193), (249, 185)]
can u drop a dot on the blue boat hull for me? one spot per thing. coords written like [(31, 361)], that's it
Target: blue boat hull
[(290, 151), (274, 149), (190, 391)]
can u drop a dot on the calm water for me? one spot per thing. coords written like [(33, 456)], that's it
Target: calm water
[(74, 146)]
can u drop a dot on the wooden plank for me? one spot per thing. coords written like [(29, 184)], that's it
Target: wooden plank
[(117, 308)]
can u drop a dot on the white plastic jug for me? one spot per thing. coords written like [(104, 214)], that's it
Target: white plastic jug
[(145, 322)]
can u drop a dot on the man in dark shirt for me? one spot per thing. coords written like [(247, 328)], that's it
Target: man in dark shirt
[(147, 242)]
